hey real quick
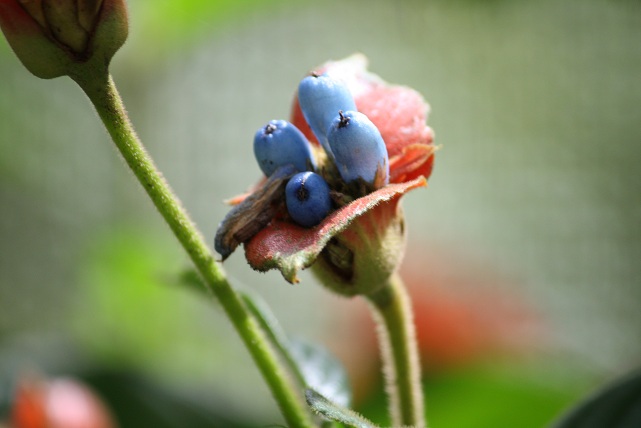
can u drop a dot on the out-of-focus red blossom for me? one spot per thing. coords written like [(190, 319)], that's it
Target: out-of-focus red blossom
[(465, 315), (370, 228), (462, 316), (53, 38), (59, 403)]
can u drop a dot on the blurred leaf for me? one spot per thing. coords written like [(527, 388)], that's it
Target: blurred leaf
[(137, 402), (191, 279), (335, 412), (172, 23), (616, 406), (6, 390), (123, 296), (268, 322), (322, 371), (312, 364), (519, 396), (127, 312)]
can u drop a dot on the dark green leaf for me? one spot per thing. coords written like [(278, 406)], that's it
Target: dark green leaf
[(335, 412), (139, 402), (616, 406)]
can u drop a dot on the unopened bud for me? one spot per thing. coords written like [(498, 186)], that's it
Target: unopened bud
[(64, 37)]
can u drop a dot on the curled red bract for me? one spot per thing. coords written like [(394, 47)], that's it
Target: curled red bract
[(289, 247)]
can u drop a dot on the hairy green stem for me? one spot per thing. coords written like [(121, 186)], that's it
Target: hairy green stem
[(103, 94), (393, 314)]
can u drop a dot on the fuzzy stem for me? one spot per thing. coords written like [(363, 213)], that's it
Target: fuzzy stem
[(102, 92), (393, 314)]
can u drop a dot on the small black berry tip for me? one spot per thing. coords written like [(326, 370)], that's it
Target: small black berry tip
[(344, 120), (269, 129), (302, 194)]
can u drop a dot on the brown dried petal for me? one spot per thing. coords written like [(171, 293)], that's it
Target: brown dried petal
[(254, 213)]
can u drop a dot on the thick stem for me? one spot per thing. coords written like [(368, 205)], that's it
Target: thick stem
[(103, 94), (393, 314)]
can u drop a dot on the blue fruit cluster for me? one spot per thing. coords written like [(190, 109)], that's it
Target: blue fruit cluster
[(350, 139), (352, 142), (280, 143)]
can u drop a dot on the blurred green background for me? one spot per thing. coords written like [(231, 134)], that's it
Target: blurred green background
[(534, 205)]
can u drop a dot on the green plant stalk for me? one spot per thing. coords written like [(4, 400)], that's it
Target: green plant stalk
[(102, 92), (397, 337), (276, 336)]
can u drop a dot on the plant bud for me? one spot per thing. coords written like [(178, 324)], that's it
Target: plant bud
[(53, 38)]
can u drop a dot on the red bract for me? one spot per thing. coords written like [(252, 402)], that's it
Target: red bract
[(362, 241), (286, 246)]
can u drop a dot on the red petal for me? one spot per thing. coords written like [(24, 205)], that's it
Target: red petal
[(415, 160), (399, 113), (290, 248)]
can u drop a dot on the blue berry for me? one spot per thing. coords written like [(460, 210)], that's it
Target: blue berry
[(320, 98), (307, 198), (358, 148), (280, 143)]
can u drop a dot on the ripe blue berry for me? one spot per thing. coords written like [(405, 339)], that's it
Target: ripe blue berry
[(307, 198), (320, 98), (280, 143), (358, 148)]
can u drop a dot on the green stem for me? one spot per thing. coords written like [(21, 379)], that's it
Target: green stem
[(397, 337), (102, 92), (275, 334)]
